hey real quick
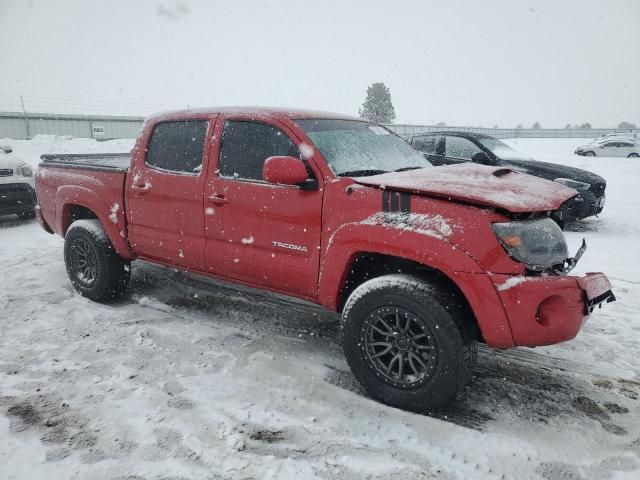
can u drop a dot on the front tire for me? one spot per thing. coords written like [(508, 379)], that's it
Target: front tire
[(405, 341), (94, 268), (633, 155), (589, 154)]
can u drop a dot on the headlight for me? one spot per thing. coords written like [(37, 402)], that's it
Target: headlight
[(539, 244), (573, 183), (24, 170)]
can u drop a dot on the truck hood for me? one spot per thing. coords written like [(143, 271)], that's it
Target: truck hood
[(478, 185)]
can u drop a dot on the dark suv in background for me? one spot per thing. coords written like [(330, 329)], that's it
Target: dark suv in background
[(445, 148)]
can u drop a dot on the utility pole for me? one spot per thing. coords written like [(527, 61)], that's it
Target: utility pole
[(26, 118)]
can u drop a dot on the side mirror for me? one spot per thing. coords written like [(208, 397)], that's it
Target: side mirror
[(482, 158), (284, 171)]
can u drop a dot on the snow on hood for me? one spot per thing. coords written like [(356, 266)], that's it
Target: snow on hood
[(9, 160), (479, 185)]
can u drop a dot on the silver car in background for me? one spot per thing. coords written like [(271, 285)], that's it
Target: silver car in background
[(614, 146)]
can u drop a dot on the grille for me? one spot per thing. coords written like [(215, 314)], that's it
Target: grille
[(6, 172), (11, 196), (598, 189)]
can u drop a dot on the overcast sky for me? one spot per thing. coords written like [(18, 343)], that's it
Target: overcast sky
[(462, 62)]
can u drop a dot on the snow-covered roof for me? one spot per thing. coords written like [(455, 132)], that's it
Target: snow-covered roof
[(291, 113)]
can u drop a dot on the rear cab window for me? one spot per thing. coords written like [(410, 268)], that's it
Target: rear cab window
[(177, 147)]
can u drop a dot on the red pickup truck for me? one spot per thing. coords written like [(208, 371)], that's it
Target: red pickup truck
[(423, 263)]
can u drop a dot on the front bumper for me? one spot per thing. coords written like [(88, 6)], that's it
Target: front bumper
[(17, 198), (551, 309)]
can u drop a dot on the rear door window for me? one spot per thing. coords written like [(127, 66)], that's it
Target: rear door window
[(177, 147), (459, 147), (428, 144), (246, 145)]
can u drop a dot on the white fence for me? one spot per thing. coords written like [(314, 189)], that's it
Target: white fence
[(406, 129), (105, 127)]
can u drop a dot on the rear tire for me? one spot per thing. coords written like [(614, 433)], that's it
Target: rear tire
[(94, 268), (405, 341), (633, 155)]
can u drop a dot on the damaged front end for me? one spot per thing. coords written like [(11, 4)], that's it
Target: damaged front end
[(540, 245), (570, 263), (597, 288)]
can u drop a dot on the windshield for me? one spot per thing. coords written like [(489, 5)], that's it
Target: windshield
[(355, 148), (502, 150)]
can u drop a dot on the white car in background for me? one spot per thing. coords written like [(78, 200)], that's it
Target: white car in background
[(617, 146), (17, 186), (620, 135)]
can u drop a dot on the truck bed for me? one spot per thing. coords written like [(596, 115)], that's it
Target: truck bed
[(92, 182), (111, 162)]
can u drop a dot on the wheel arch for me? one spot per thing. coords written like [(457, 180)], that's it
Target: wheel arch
[(369, 265), (347, 262), (75, 203)]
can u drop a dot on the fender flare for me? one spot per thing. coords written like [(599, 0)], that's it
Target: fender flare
[(70, 195), (435, 252)]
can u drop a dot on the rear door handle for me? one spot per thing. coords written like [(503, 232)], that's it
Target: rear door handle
[(218, 199), (141, 189)]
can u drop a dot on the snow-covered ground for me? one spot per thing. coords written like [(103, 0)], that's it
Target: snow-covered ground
[(186, 380)]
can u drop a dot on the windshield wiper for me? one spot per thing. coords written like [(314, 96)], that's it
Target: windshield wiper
[(362, 173), (404, 169)]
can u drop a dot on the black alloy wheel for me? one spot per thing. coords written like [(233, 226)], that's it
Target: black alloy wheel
[(399, 346), (84, 262), (93, 266)]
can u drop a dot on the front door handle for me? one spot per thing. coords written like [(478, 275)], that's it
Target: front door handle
[(218, 199), (141, 189)]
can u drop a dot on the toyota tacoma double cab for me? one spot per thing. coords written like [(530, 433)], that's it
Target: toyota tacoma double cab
[(423, 263)]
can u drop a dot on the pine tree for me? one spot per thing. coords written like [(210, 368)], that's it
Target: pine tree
[(377, 107)]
